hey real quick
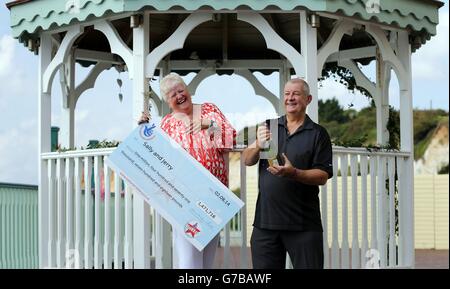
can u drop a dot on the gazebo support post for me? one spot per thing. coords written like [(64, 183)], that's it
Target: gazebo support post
[(406, 192), (308, 40), (46, 257), (285, 75), (67, 79), (163, 245), (382, 99), (141, 210), (165, 70)]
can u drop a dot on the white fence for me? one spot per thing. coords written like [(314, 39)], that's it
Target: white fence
[(380, 179), (90, 219)]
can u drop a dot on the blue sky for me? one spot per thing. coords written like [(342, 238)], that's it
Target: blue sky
[(100, 115)]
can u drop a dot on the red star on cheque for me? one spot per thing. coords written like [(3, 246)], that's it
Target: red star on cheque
[(192, 229)]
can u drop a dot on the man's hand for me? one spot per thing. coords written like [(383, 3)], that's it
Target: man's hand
[(262, 136), (287, 170)]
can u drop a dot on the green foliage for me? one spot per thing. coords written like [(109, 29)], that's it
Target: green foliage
[(92, 145), (348, 128), (237, 192), (393, 127), (351, 128), (425, 123), (60, 149), (443, 170), (343, 76), (330, 110), (422, 145), (103, 144)]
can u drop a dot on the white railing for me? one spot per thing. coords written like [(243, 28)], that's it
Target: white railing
[(236, 229), (95, 229), (90, 222), (364, 231)]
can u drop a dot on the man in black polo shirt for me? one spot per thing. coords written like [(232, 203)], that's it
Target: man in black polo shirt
[(287, 217)]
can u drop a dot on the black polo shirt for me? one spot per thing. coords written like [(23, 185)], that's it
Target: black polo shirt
[(284, 204)]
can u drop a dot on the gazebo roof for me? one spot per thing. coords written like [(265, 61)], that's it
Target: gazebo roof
[(29, 17)]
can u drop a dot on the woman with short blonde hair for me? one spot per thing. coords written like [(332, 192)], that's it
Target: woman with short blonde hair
[(204, 132)]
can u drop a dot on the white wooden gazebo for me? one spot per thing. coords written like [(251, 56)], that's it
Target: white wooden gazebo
[(153, 37)]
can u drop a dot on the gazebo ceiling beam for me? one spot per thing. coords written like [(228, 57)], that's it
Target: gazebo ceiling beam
[(227, 64), (348, 54), (355, 53), (99, 56), (96, 56)]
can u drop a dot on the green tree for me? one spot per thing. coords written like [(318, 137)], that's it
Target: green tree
[(330, 110)]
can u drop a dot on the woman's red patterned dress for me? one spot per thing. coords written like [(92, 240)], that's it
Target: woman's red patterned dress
[(206, 146)]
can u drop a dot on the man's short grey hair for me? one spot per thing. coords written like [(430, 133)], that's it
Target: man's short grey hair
[(305, 85), (168, 82)]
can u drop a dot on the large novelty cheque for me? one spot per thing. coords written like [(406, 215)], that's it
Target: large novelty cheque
[(186, 194)]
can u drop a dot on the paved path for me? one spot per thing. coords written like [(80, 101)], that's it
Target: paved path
[(425, 259), (432, 259)]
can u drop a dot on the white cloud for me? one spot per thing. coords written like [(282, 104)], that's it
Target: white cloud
[(3, 103), (18, 129), (82, 115), (12, 76), (333, 89), (7, 45), (430, 62), (18, 153), (250, 118), (100, 122)]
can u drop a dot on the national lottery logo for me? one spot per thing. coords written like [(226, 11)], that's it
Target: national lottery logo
[(191, 229), (147, 131)]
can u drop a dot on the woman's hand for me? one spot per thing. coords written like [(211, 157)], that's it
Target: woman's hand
[(193, 125), (197, 125), (144, 118)]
